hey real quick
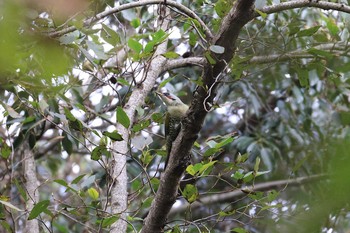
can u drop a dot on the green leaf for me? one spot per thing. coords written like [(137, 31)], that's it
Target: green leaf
[(98, 50), (65, 184), (76, 125), (190, 193), (12, 112), (194, 169), (255, 195), (187, 25), (159, 36), (257, 164), (79, 24), (239, 230), (228, 213), (135, 23), (190, 170), (97, 152), (303, 76), (308, 32), (207, 167), (211, 151), (262, 14), (155, 183), (93, 193), (122, 118), (141, 125), (210, 59), (165, 81), (301, 162), (43, 105), (157, 117), (146, 203), (38, 209), (115, 136), (76, 180), (224, 142), (8, 204), (67, 143), (110, 35), (331, 25), (21, 190), (150, 46), (320, 53), (238, 175), (170, 54), (135, 45), (28, 120), (272, 195), (5, 151), (261, 173), (222, 7), (146, 157), (69, 115), (217, 49), (6, 226), (248, 177), (61, 182), (106, 222), (69, 38), (193, 39), (61, 228)]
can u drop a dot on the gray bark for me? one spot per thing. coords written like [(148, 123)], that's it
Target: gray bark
[(31, 185)]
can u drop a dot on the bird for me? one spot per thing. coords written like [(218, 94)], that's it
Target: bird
[(176, 110)]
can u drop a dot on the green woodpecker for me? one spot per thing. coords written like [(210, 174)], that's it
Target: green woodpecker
[(176, 110)]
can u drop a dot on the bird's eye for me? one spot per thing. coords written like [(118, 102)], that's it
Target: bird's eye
[(166, 94)]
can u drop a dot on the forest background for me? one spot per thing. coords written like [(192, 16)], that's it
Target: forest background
[(82, 139)]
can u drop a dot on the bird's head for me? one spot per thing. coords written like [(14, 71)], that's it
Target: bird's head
[(169, 99)]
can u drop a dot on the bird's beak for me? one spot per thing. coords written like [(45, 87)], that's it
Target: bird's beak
[(158, 93)]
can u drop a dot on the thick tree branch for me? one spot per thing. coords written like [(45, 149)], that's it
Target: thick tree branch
[(121, 148), (236, 194), (31, 185), (339, 49), (117, 9), (239, 15), (304, 3), (182, 62)]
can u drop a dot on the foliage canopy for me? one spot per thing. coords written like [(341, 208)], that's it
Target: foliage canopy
[(77, 99)]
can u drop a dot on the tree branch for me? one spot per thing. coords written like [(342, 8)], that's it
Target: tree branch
[(31, 185), (166, 195), (121, 148), (337, 48), (304, 3), (182, 62), (236, 194), (106, 13)]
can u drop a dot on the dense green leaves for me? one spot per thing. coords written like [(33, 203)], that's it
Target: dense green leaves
[(222, 7), (279, 105)]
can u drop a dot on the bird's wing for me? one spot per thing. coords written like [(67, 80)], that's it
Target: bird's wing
[(166, 124)]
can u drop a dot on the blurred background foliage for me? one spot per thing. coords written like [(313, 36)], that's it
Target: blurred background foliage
[(282, 112)]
